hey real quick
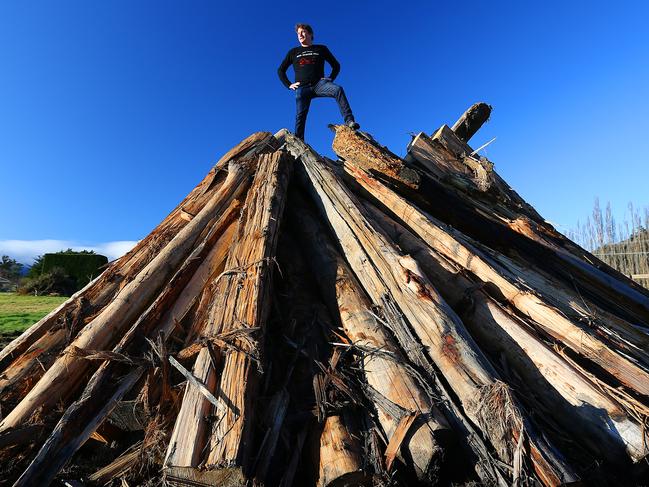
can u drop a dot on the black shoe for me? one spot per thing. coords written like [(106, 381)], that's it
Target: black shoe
[(353, 125)]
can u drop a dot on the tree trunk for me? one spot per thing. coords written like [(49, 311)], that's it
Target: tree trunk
[(384, 365), (241, 302), (62, 379), (455, 247), (471, 121), (341, 456), (479, 214), (590, 414), (383, 270)]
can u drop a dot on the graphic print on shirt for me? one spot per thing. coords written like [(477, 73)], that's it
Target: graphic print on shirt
[(307, 57)]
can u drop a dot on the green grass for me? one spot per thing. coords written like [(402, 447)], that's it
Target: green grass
[(18, 313)]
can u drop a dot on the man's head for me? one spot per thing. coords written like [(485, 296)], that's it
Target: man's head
[(304, 34)]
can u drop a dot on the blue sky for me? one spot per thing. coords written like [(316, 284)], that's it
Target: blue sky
[(111, 111)]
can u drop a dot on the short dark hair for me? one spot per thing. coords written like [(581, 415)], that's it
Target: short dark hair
[(306, 27)]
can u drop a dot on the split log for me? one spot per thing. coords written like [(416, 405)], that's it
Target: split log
[(370, 156), (384, 365), (341, 457), (103, 391), (600, 422), (478, 214), (458, 249), (447, 139), (383, 270), (241, 301), (471, 121), (191, 477), (118, 467), (25, 359), (62, 379), (305, 365)]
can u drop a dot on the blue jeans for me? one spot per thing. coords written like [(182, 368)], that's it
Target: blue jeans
[(323, 88)]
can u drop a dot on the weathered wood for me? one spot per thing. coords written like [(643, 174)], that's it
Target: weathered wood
[(194, 382), (192, 477), (580, 407), (341, 456), (503, 223), (42, 470), (63, 377), (370, 156), (447, 138), (117, 467), (26, 358), (384, 365), (241, 301), (382, 269), (460, 250), (471, 121), (103, 392)]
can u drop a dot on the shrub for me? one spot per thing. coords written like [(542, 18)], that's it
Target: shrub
[(54, 281), (80, 266)]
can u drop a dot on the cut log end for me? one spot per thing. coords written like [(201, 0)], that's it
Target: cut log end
[(471, 121)]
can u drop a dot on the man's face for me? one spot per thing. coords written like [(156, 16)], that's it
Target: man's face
[(304, 37)]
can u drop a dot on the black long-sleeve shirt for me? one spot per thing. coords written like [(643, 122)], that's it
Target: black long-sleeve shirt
[(308, 63)]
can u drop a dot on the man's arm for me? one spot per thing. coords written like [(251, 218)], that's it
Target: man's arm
[(333, 62), (281, 71)]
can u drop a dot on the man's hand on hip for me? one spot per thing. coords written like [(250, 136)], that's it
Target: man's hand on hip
[(295, 86)]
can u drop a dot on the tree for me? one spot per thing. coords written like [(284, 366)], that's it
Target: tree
[(37, 267), (10, 268)]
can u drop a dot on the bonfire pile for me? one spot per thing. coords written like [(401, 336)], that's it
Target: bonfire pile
[(367, 321)]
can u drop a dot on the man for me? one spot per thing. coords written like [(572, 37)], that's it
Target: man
[(310, 82)]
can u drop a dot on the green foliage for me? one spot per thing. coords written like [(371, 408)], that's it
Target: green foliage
[(10, 271), (10, 268), (56, 280), (79, 266), (37, 267), (63, 272)]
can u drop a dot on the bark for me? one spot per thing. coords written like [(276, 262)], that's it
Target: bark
[(103, 390), (385, 367), (383, 270), (241, 302), (63, 378), (510, 283), (24, 360), (471, 121), (370, 156), (587, 412)]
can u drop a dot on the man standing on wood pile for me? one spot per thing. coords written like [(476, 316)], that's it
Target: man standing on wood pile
[(310, 81)]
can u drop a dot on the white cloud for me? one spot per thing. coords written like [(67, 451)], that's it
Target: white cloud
[(25, 251)]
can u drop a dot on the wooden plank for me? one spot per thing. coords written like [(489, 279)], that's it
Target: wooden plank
[(240, 301)]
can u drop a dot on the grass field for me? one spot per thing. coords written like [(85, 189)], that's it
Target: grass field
[(17, 312)]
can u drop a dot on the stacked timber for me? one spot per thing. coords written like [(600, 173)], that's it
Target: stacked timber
[(374, 320)]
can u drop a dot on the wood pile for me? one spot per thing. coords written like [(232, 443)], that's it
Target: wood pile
[(375, 320)]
